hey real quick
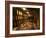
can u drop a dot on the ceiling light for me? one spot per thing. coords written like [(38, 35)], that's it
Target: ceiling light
[(24, 8)]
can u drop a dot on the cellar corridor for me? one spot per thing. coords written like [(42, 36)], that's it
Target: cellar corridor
[(25, 19)]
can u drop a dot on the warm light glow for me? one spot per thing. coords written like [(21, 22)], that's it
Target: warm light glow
[(24, 8), (20, 13), (27, 12)]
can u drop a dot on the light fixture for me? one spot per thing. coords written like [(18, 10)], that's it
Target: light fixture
[(24, 8)]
